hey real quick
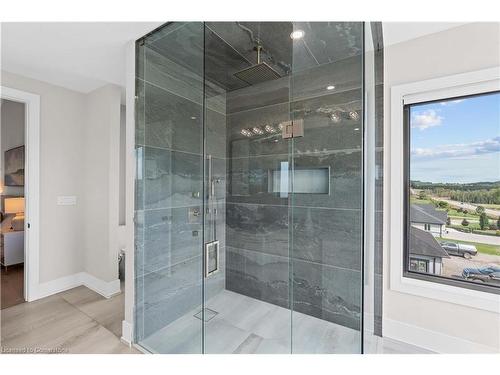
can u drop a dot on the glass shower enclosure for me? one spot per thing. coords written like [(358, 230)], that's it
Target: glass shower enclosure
[(249, 188)]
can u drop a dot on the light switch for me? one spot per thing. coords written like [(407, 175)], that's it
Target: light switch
[(66, 200)]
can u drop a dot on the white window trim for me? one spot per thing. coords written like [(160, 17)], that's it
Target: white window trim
[(434, 89)]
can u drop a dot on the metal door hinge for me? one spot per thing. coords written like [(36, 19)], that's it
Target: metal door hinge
[(292, 129)]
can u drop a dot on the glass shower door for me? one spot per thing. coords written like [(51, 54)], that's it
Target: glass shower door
[(169, 189), (247, 301), (326, 204), (249, 188)]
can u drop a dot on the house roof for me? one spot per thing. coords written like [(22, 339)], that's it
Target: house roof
[(427, 214), (424, 243)]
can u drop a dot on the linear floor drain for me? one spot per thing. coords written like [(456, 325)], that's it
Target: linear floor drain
[(209, 314)]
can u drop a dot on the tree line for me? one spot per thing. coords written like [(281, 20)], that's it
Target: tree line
[(481, 192)]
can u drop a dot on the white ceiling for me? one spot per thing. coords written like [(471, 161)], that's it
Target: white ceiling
[(84, 56), (397, 32), (81, 56)]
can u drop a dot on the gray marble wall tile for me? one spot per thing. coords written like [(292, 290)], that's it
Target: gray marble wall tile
[(260, 228), (140, 113), (321, 133), (183, 44), (328, 293), (169, 293), (168, 238), (174, 78), (266, 144), (250, 179), (344, 74), (326, 236), (326, 42), (215, 133), (172, 121), (261, 95), (345, 179), (169, 179), (258, 275)]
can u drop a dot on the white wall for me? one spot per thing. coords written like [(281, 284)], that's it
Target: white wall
[(11, 135), (458, 50), (79, 156), (62, 120), (436, 230), (100, 198)]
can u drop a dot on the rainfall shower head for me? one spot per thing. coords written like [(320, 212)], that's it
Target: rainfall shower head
[(257, 73)]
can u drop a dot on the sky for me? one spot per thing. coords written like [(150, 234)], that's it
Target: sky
[(456, 140)]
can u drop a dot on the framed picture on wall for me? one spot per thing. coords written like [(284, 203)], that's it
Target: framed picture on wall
[(14, 167)]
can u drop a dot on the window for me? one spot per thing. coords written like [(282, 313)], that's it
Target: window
[(452, 193), (419, 265)]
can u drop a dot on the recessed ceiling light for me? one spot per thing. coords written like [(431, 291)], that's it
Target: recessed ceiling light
[(356, 129), (331, 87), (193, 117), (297, 34)]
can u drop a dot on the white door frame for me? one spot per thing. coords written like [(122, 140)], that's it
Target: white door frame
[(31, 188)]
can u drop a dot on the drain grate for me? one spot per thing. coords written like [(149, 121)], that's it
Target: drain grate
[(209, 314)]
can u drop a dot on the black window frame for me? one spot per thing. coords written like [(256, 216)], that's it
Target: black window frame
[(406, 206)]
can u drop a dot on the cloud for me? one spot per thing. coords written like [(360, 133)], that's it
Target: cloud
[(459, 150), (456, 101), (426, 119)]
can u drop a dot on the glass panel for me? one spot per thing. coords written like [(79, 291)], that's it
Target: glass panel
[(247, 220), (326, 231), (243, 144), (373, 183), (169, 201)]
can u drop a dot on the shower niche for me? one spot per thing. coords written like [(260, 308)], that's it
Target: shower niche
[(249, 188)]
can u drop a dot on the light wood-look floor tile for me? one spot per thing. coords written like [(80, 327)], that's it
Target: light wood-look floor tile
[(75, 321)]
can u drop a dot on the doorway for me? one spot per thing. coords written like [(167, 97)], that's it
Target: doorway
[(20, 195), (12, 167)]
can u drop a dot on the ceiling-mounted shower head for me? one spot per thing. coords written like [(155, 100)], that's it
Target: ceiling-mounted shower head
[(259, 72)]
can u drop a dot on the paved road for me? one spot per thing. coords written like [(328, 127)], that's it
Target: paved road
[(489, 211), (472, 237)]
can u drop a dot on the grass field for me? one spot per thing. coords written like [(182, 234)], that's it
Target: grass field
[(481, 247), (469, 215), (420, 201)]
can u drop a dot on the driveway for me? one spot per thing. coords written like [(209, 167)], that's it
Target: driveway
[(454, 265), (453, 234)]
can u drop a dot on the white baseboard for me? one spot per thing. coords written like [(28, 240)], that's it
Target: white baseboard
[(127, 332), (431, 340), (106, 289), (58, 285)]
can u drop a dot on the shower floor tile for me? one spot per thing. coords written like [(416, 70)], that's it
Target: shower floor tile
[(246, 325)]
